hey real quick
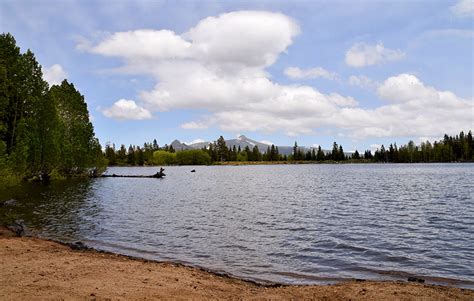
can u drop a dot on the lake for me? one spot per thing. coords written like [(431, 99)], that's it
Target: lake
[(284, 223)]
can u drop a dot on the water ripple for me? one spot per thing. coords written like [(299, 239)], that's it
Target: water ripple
[(284, 223)]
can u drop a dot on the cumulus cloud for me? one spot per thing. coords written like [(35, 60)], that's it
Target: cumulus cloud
[(363, 81), (219, 66), (54, 75), (374, 147), (195, 141), (318, 72), (124, 109), (413, 109), (363, 54), (464, 8)]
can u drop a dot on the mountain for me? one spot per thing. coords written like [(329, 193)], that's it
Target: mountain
[(199, 145), (241, 141), (178, 146)]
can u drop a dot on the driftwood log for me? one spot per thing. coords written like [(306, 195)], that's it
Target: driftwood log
[(158, 175)]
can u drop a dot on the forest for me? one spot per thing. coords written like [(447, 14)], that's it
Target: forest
[(45, 132), (459, 148)]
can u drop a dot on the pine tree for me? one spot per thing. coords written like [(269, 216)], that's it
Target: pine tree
[(139, 157), (257, 156), (110, 154), (296, 152), (131, 155), (341, 155), (155, 145), (249, 153), (320, 156), (356, 155), (222, 151), (335, 151)]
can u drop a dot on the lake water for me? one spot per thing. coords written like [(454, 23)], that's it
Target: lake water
[(282, 223)]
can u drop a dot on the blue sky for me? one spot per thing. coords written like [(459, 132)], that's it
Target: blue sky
[(360, 73)]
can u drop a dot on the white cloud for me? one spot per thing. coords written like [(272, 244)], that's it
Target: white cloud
[(464, 8), (195, 141), (266, 142), (54, 75), (124, 109), (374, 147), (413, 109), (318, 72), (363, 81), (219, 66), (362, 54), (144, 44)]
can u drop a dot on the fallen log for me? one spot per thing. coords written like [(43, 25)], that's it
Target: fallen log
[(160, 174)]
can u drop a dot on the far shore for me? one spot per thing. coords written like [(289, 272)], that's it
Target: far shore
[(33, 268)]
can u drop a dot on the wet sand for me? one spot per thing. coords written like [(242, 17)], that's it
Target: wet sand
[(35, 269)]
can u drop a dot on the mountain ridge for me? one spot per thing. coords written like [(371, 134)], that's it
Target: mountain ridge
[(241, 141)]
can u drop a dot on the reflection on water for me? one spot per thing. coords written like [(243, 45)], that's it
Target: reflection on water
[(62, 210), (285, 223)]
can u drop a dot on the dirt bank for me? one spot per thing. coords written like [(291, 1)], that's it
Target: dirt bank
[(32, 269)]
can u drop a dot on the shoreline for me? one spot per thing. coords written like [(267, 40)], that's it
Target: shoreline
[(326, 162), (34, 268)]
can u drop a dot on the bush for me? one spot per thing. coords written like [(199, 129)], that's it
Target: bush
[(193, 157), (164, 158)]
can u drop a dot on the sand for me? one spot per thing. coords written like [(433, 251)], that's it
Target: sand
[(36, 269)]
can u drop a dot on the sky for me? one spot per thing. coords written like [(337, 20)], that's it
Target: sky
[(362, 73)]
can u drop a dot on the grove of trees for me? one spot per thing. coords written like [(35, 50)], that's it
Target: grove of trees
[(43, 131)]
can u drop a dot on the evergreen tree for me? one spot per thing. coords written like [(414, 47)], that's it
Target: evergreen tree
[(131, 156), (122, 154), (267, 155), (76, 130), (335, 151), (139, 157), (41, 129), (296, 152), (249, 154), (256, 155), (320, 156), (341, 155), (222, 151), (356, 155), (368, 155), (110, 154), (273, 153), (155, 145), (308, 156)]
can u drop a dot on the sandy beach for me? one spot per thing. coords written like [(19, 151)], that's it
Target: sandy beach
[(32, 268)]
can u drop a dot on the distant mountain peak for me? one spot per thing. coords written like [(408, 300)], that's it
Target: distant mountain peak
[(177, 145), (241, 141)]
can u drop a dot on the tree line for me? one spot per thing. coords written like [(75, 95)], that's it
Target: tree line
[(458, 148), (44, 131)]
